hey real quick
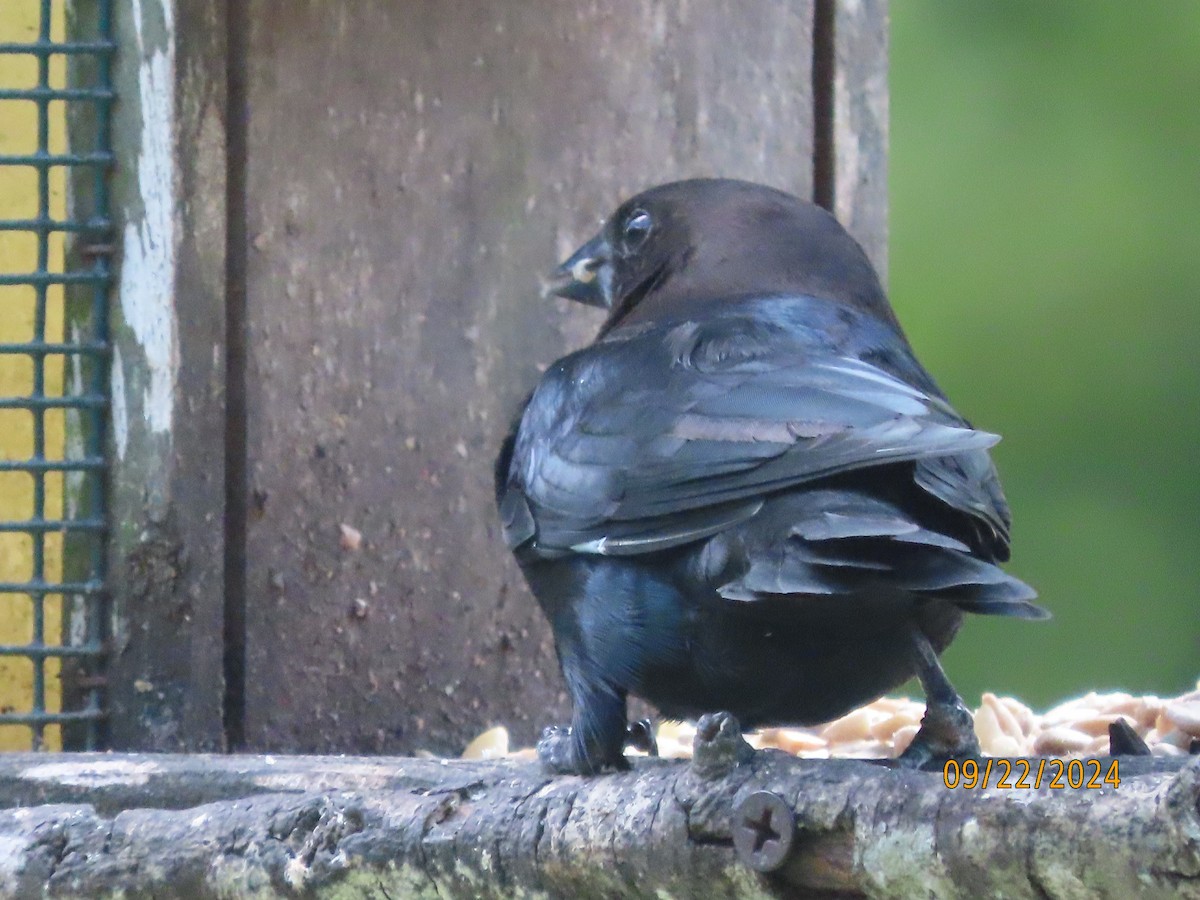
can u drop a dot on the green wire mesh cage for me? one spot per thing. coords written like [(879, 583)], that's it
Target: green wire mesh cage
[(56, 242)]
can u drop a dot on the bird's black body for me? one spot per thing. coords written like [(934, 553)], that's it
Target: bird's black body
[(747, 495)]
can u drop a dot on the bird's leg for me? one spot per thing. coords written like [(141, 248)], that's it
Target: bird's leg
[(597, 734), (947, 729)]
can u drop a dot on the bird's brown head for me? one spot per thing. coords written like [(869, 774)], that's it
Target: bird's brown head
[(686, 244)]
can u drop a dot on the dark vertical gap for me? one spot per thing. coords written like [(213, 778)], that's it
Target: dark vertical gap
[(237, 37), (824, 59), (97, 605)]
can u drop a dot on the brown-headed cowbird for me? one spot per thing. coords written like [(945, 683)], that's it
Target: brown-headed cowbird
[(747, 495)]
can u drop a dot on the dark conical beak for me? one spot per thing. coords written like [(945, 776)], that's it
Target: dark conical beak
[(586, 276)]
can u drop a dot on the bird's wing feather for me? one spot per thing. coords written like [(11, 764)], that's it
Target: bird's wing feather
[(969, 483), (838, 541), (674, 432)]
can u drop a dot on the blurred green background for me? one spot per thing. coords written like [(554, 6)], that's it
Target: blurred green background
[(1045, 260)]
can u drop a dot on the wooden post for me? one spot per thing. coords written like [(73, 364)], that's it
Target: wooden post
[(859, 87), (363, 197), (167, 427), (412, 171)]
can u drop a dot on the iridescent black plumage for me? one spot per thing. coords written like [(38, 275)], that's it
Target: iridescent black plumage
[(747, 495)]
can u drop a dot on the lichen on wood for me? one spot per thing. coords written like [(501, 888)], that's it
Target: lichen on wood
[(222, 826)]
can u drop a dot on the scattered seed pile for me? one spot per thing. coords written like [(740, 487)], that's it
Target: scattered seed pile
[(1006, 727)]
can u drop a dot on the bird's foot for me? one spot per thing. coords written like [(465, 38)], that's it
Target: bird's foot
[(640, 736), (561, 754), (719, 746), (947, 732)]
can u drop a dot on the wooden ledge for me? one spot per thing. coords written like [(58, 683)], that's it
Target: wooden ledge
[(277, 826)]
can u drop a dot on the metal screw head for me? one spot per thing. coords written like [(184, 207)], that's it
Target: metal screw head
[(763, 829)]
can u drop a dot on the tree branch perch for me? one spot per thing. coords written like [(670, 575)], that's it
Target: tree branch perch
[(218, 826)]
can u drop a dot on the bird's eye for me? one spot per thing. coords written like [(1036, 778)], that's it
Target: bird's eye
[(637, 228)]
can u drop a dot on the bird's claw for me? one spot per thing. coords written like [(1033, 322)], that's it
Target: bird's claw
[(947, 732), (640, 736), (556, 750), (719, 746), (561, 754)]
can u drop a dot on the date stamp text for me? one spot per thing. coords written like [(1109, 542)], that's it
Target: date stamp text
[(1031, 774)]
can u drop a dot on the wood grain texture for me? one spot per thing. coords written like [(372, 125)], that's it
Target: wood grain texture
[(412, 171), (201, 827), (860, 124), (168, 411)]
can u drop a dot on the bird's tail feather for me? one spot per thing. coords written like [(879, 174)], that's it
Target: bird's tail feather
[(843, 542)]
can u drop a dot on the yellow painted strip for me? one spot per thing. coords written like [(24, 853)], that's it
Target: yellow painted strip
[(18, 253)]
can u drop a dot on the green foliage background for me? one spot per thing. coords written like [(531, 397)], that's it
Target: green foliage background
[(1045, 259)]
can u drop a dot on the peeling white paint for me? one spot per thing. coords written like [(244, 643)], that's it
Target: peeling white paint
[(76, 482), (94, 773), (120, 411), (149, 247), (74, 436), (77, 623)]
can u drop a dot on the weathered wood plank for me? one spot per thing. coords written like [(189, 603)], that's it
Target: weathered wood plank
[(412, 170), (850, 84), (860, 124), (460, 153), (199, 827), (166, 440)]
